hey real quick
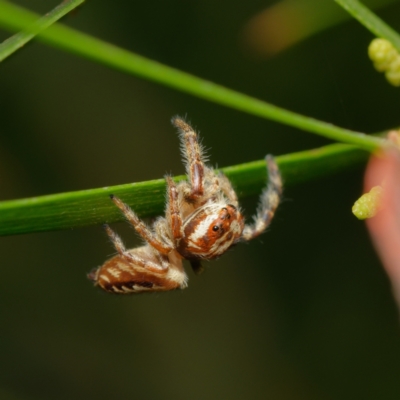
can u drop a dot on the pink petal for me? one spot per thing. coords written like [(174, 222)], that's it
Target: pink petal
[(384, 228)]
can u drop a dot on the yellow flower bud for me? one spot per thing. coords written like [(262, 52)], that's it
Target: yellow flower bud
[(382, 53), (386, 59), (368, 204)]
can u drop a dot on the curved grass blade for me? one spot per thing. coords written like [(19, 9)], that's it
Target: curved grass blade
[(371, 21), (14, 43)]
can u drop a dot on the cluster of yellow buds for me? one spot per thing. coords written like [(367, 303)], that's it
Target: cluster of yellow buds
[(386, 59)]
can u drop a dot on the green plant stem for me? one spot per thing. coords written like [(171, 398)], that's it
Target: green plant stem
[(17, 41), (89, 207), (13, 17), (371, 21)]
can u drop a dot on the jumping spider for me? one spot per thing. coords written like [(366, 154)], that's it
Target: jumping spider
[(202, 221)]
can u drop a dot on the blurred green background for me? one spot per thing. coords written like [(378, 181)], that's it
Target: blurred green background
[(304, 312)]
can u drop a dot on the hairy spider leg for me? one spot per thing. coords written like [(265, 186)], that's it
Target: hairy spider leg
[(193, 158), (141, 228), (269, 201), (227, 189), (130, 256), (174, 215)]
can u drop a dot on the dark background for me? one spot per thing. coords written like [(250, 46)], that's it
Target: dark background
[(304, 312)]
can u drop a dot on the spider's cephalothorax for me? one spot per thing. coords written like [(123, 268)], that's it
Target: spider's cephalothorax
[(202, 221), (210, 230)]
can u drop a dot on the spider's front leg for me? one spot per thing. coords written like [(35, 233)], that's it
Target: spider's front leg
[(175, 221), (173, 213), (153, 261), (269, 201), (226, 188), (164, 246), (193, 158)]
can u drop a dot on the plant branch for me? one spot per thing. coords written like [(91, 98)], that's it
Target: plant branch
[(17, 41), (371, 21), (90, 207), (14, 17)]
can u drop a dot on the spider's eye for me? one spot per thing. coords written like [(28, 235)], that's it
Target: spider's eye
[(215, 228)]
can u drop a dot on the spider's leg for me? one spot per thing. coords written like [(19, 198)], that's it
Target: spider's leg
[(226, 187), (174, 215), (132, 258), (269, 201), (193, 158), (141, 228)]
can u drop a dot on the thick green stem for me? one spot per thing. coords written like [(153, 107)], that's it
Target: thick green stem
[(89, 207)]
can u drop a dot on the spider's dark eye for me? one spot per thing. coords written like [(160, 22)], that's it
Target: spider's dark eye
[(215, 228)]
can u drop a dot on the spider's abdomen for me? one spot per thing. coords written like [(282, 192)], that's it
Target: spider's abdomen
[(120, 276), (210, 231)]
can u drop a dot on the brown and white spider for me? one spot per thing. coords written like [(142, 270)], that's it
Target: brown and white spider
[(202, 221)]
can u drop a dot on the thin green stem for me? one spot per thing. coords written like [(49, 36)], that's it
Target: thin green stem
[(371, 21), (13, 17), (17, 41), (89, 207)]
